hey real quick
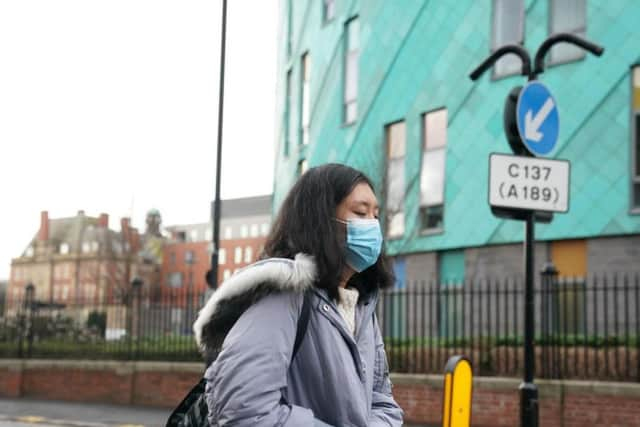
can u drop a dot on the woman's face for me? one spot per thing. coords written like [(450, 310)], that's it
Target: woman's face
[(360, 203)]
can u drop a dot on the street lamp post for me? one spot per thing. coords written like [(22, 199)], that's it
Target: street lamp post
[(528, 390), (212, 275)]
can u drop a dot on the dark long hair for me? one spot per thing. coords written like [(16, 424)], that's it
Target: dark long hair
[(306, 223)]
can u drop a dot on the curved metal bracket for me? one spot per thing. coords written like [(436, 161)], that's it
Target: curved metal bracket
[(567, 38), (510, 48)]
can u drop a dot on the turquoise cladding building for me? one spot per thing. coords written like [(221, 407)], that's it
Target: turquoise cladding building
[(383, 86)]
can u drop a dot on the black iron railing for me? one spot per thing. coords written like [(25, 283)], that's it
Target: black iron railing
[(586, 328)]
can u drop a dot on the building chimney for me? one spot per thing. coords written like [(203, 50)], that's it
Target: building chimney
[(103, 221), (43, 235)]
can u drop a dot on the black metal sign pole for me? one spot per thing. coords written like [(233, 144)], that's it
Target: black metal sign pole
[(528, 389)]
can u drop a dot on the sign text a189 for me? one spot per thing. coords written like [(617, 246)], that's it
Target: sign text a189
[(530, 183)]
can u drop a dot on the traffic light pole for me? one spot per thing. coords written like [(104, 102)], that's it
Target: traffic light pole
[(528, 389)]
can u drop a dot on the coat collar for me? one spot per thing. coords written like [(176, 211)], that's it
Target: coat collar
[(246, 286)]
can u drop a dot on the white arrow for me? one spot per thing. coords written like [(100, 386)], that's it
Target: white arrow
[(532, 124)]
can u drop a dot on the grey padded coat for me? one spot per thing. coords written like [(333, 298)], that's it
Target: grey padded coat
[(249, 327)]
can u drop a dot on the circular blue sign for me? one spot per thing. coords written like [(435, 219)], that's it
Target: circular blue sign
[(537, 119)]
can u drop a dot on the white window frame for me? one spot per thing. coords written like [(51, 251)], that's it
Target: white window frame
[(228, 232), (222, 256), (395, 158), (303, 166), (244, 231), (425, 205), (563, 53), (350, 95), (510, 64), (248, 254), (328, 11), (305, 97), (237, 255), (254, 230), (288, 111)]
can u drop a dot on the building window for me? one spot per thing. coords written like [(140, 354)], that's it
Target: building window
[(328, 10), (237, 256), (288, 110), (567, 301), (64, 248), (65, 292), (396, 148), (244, 231), (432, 174), (289, 27), (208, 234), (222, 256), (352, 54), (264, 229), (248, 254), (451, 277), (305, 91), (255, 231), (29, 251), (189, 257), (175, 279), (86, 247), (508, 28), (567, 16), (95, 246), (172, 258), (228, 232), (194, 235), (635, 133), (303, 166), (226, 274)]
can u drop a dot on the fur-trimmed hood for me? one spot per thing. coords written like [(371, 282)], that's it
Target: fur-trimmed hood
[(242, 290)]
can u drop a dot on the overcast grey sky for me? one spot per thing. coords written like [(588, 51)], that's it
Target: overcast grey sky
[(111, 106)]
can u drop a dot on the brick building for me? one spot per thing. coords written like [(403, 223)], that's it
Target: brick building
[(244, 225), (81, 261)]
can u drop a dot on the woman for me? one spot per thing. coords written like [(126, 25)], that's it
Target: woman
[(326, 241)]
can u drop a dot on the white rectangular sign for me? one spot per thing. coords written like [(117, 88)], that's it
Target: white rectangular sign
[(528, 183)]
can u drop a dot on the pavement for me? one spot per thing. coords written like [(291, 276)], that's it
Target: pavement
[(52, 413), (49, 413)]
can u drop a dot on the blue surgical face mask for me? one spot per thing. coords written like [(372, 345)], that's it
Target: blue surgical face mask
[(364, 242)]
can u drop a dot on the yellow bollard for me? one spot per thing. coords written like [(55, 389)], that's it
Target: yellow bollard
[(458, 382)]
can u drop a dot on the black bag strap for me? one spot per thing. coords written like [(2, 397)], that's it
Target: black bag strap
[(303, 322), (192, 410)]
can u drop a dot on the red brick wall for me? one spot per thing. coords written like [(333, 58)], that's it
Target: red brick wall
[(165, 389), (85, 385), (495, 400), (10, 381)]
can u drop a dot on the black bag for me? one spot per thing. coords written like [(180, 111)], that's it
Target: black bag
[(193, 410)]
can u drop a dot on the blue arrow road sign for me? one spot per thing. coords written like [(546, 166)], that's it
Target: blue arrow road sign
[(537, 118)]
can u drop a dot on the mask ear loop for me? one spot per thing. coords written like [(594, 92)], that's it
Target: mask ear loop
[(341, 221)]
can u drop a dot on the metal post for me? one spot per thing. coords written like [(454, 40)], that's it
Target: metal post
[(212, 274), (528, 390)]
